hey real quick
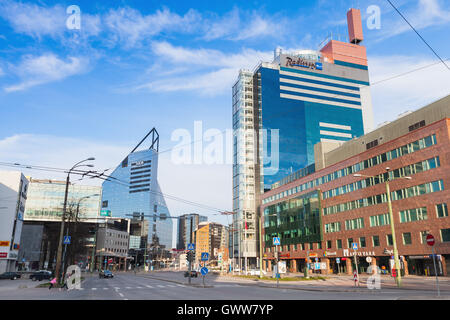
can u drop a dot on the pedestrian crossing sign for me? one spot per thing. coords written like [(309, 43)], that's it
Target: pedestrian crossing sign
[(66, 239), (205, 256), (191, 246), (276, 241)]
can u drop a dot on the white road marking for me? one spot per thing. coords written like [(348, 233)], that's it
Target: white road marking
[(120, 294), (105, 288), (180, 285), (94, 289), (161, 286), (149, 286), (171, 285), (139, 288)]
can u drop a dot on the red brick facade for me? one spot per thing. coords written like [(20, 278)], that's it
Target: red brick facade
[(432, 224)]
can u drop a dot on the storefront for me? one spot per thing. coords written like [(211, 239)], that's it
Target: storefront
[(423, 265)]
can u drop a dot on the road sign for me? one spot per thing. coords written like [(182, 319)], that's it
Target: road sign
[(394, 272), (66, 239), (355, 276), (354, 245), (369, 259), (338, 260), (430, 240), (317, 266), (276, 241), (316, 259), (204, 271), (191, 246), (205, 256)]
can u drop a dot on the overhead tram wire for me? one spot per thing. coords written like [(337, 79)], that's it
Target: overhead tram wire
[(435, 53), (102, 176)]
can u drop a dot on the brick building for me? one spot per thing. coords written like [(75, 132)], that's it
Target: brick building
[(344, 201)]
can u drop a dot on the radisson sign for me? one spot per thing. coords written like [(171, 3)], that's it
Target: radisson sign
[(304, 63)]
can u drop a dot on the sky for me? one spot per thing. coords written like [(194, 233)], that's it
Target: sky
[(70, 93)]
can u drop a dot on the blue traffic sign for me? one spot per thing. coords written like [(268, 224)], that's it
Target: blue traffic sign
[(354, 245), (338, 260), (66, 239), (205, 256), (276, 241), (191, 246), (204, 271)]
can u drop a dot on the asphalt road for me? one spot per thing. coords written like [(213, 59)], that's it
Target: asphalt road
[(128, 286)]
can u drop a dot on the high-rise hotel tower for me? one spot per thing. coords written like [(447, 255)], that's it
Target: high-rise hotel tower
[(281, 110)]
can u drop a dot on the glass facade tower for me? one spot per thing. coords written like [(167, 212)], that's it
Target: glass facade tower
[(280, 111), (133, 189)]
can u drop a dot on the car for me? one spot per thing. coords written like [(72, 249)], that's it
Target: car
[(105, 274), (194, 274), (10, 275), (41, 275)]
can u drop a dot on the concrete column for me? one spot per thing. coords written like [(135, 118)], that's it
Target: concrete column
[(405, 265), (444, 266), (294, 265), (327, 261), (348, 263), (374, 265)]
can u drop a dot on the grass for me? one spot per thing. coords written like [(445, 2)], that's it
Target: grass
[(282, 278)]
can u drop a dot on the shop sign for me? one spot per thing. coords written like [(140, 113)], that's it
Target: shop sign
[(329, 254), (3, 254), (313, 255), (4, 243), (360, 253)]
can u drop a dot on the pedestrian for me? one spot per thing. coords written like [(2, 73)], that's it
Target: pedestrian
[(66, 279), (52, 283)]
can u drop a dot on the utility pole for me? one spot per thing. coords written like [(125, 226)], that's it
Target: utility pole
[(190, 255), (396, 260)]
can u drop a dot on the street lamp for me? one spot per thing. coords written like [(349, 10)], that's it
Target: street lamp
[(398, 279), (61, 232)]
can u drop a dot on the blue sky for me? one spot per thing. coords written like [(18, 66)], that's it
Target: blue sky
[(133, 65)]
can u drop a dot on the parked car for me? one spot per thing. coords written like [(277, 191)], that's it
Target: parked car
[(194, 274), (10, 275), (41, 275), (105, 274)]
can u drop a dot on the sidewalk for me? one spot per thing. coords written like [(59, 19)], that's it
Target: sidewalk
[(333, 283)]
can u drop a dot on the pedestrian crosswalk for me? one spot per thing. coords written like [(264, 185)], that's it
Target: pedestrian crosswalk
[(136, 288), (154, 286)]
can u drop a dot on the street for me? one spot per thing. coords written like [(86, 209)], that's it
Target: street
[(173, 286)]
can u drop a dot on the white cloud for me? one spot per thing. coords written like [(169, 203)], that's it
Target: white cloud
[(46, 68), (203, 184), (427, 13), (408, 92), (205, 70), (129, 26)]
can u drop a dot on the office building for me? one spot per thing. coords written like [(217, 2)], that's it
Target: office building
[(210, 237), (13, 197), (112, 244), (282, 109), (184, 229), (344, 201), (133, 190)]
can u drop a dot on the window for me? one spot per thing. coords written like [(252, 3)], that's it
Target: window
[(389, 240), (362, 242), (349, 242), (105, 204), (379, 220), (376, 241), (417, 125), (445, 235), (328, 244), (354, 224), (413, 215), (423, 237), (441, 210), (311, 246), (372, 144), (407, 238), (339, 244), (319, 245)]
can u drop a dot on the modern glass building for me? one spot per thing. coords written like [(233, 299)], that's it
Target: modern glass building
[(133, 189), (46, 200), (282, 109)]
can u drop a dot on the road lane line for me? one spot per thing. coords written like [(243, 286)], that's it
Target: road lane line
[(149, 287)]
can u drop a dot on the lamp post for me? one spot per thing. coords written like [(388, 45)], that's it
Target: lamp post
[(261, 242), (398, 279), (61, 232)]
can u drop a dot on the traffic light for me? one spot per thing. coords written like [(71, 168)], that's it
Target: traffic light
[(190, 256)]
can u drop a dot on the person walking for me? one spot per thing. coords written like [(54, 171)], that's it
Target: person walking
[(52, 283)]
